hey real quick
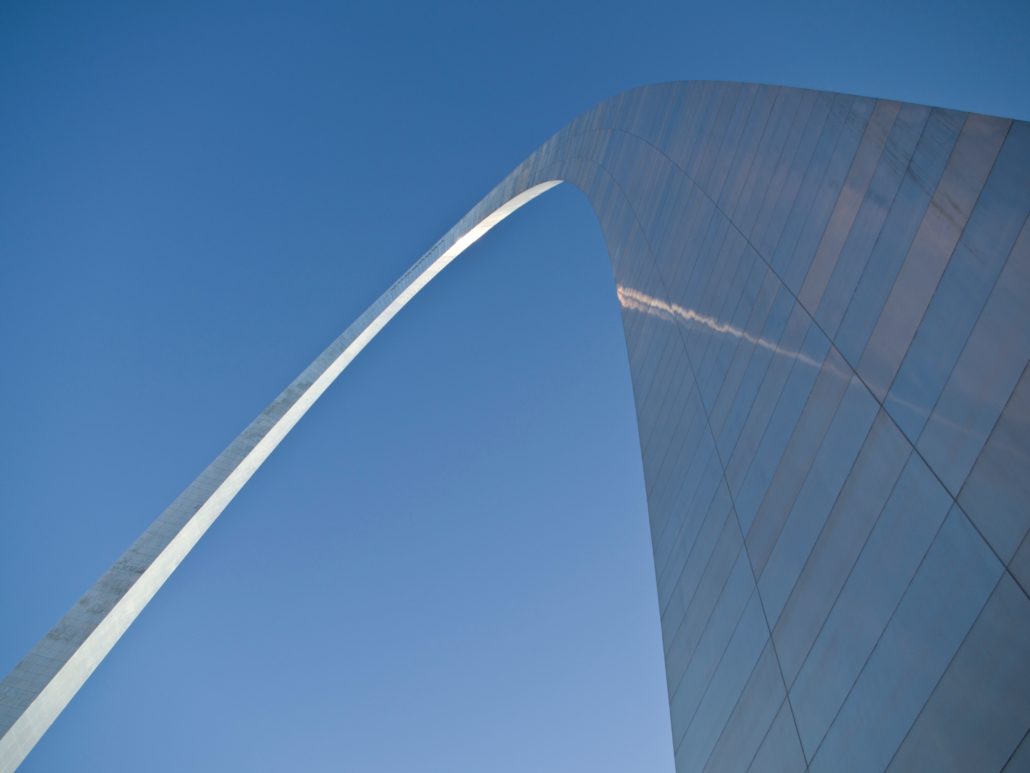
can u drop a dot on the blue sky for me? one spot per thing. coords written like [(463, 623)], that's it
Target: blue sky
[(446, 566)]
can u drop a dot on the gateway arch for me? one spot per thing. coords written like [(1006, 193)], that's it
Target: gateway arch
[(826, 306)]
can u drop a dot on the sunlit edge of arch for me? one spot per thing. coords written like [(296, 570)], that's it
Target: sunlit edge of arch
[(31, 722)]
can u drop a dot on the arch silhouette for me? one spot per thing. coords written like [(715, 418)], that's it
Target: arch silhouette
[(812, 288)]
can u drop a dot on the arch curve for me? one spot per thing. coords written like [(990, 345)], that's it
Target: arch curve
[(814, 288)]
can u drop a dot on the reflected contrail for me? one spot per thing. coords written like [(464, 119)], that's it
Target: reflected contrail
[(637, 300)]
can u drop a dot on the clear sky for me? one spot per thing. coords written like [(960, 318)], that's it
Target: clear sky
[(446, 567)]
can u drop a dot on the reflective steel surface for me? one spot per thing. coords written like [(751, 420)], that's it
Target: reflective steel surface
[(826, 304)]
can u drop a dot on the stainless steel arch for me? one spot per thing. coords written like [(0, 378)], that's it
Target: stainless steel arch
[(812, 289)]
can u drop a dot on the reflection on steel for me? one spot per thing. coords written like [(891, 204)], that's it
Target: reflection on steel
[(634, 300), (837, 480)]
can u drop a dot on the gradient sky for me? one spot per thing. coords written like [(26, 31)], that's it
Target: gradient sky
[(446, 567)]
